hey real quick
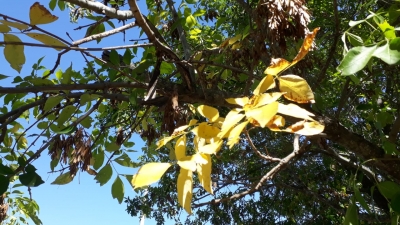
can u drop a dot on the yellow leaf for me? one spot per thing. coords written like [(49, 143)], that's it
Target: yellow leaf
[(179, 130), (235, 39), (307, 44), (224, 43), (187, 163), (192, 122), (4, 28), (38, 14), (164, 141), (231, 120), (47, 40), (185, 187), (218, 123), (276, 122), (149, 173), (14, 54), (267, 98), (277, 65), (204, 173), (205, 131), (238, 101), (306, 128), (236, 46), (266, 83), (17, 25), (212, 148), (208, 112), (294, 111), (296, 88), (180, 147), (234, 135), (263, 114)]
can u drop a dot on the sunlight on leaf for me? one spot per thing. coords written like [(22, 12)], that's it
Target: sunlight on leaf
[(208, 112), (267, 98), (238, 101), (234, 135), (212, 148), (263, 114), (185, 186), (306, 128), (187, 163), (296, 88), (265, 84), (205, 131), (149, 173), (277, 65), (204, 173), (276, 122), (294, 111), (180, 148)]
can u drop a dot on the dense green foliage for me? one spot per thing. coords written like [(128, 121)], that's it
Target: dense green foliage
[(203, 52)]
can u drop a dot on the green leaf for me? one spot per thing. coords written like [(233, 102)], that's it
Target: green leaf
[(66, 130), (61, 5), (104, 175), (98, 159), (66, 114), (52, 101), (356, 59), (124, 160), (111, 147), (190, 21), (52, 4), (31, 179), (351, 217), (87, 122), (166, 68), (117, 190), (66, 77), (354, 39), (14, 54), (389, 189), (64, 178), (360, 199), (387, 30), (59, 74), (42, 125), (5, 170), (387, 54), (395, 203), (2, 76), (4, 182), (114, 57)]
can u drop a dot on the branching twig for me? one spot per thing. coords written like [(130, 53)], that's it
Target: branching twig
[(258, 153), (105, 34), (102, 9)]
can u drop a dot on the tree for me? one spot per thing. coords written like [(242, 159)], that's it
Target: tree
[(254, 112)]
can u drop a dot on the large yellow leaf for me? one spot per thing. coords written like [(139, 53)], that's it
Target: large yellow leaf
[(294, 111), (266, 83), (47, 40), (306, 128), (238, 101), (267, 98), (232, 118), (234, 135), (296, 88), (180, 147), (205, 131), (17, 25), (208, 112), (185, 188), (38, 14), (14, 54), (4, 28), (204, 173), (149, 173), (212, 148), (188, 163), (277, 65), (263, 114), (307, 44)]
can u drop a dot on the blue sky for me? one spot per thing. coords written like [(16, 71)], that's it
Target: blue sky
[(82, 202)]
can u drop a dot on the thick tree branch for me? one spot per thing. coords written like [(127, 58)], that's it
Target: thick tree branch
[(70, 87), (102, 9)]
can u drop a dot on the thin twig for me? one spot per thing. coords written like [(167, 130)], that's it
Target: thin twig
[(258, 153)]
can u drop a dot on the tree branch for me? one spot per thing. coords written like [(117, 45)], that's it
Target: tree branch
[(102, 9)]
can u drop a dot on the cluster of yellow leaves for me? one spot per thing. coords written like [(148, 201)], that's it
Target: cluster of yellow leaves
[(260, 110)]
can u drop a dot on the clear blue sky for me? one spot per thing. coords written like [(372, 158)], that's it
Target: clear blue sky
[(82, 202)]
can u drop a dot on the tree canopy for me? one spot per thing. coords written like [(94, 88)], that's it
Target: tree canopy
[(253, 112)]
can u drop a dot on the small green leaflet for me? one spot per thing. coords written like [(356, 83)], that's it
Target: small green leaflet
[(117, 190), (104, 175), (64, 178)]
